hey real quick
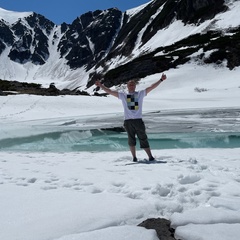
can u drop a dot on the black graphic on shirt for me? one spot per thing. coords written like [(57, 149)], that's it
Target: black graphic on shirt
[(132, 101)]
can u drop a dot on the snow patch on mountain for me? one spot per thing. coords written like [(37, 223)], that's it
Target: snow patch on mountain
[(12, 17)]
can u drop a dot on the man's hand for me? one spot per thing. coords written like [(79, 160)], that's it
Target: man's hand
[(164, 77), (98, 83), (154, 85), (107, 90)]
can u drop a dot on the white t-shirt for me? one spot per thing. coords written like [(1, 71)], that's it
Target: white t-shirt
[(132, 104)]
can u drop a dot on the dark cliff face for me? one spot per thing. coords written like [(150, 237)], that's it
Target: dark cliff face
[(189, 11), (95, 38), (30, 41), (96, 29), (6, 36)]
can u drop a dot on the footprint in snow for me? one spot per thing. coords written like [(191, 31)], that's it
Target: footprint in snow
[(189, 179)]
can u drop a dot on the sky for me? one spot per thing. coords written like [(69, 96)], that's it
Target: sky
[(60, 11)]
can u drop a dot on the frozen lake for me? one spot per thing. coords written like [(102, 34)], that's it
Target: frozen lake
[(211, 128)]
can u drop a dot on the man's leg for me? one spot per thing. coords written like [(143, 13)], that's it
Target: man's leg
[(149, 153), (133, 152), (131, 138), (142, 136)]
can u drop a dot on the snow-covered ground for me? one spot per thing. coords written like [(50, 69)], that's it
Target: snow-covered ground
[(102, 194)]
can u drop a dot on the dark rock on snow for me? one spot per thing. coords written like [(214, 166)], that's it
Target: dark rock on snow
[(162, 227)]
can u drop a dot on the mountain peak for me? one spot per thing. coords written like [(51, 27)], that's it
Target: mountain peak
[(11, 16), (146, 40)]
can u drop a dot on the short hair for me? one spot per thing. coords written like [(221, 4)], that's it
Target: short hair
[(131, 81)]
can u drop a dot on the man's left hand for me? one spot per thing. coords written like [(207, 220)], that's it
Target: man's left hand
[(164, 77)]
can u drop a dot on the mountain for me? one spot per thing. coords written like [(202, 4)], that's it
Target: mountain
[(149, 39)]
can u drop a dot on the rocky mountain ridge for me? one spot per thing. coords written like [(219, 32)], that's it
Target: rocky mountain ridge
[(116, 46)]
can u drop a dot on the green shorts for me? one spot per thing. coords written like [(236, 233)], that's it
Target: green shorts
[(136, 127)]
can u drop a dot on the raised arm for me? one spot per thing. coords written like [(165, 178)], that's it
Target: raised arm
[(107, 90), (154, 85)]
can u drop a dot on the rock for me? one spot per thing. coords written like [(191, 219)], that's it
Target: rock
[(162, 227), (2, 93), (15, 87)]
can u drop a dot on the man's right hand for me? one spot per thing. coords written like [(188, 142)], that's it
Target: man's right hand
[(98, 83)]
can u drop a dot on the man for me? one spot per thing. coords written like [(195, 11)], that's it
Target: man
[(133, 123)]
